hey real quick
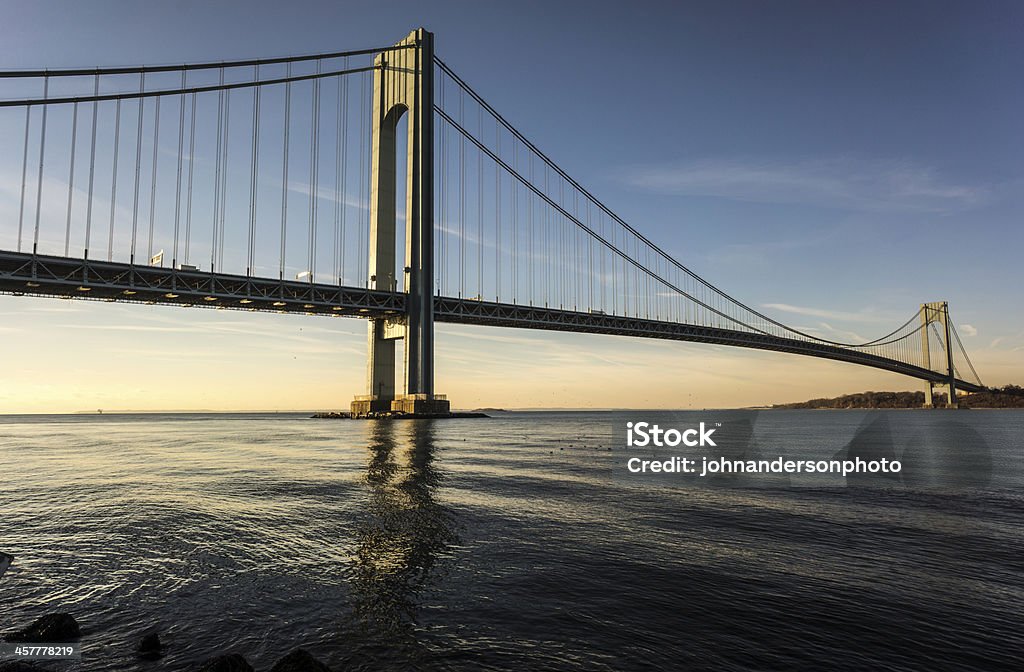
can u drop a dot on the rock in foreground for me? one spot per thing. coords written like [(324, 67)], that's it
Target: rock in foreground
[(299, 660), (20, 666), (231, 662), (150, 647), (49, 628)]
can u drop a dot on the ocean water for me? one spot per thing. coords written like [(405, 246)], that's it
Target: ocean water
[(517, 542)]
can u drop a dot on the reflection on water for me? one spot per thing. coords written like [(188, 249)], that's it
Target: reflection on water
[(404, 530)]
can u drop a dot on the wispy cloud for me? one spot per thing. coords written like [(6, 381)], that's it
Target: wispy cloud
[(864, 316), (55, 309), (843, 182), (1012, 341), (128, 327), (969, 329), (843, 334)]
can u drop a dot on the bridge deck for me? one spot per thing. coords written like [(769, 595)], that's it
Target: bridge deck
[(22, 273)]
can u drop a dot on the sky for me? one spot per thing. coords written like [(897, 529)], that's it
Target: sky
[(833, 165)]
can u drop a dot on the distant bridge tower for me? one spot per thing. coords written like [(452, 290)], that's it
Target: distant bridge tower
[(931, 313), (403, 83)]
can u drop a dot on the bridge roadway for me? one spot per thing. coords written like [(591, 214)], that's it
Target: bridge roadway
[(41, 275)]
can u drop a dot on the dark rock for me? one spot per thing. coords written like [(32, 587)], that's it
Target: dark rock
[(151, 647), (299, 660), (231, 662), (49, 628), (21, 666)]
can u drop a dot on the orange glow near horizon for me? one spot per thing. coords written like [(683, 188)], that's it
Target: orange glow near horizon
[(69, 356)]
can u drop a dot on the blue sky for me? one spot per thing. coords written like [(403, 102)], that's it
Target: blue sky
[(833, 164)]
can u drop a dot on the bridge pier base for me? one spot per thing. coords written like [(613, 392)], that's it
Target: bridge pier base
[(929, 395), (422, 405), (951, 400), (369, 405)]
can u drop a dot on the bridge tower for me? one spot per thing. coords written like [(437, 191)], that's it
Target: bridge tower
[(938, 311), (403, 83)]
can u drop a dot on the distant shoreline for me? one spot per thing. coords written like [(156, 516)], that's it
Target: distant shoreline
[(1007, 397)]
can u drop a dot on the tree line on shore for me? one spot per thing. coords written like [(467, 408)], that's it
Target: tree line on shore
[(1008, 396)]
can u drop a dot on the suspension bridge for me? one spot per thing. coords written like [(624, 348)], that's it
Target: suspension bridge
[(273, 185)]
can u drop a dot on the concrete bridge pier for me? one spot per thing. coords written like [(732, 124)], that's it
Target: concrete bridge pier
[(403, 83)]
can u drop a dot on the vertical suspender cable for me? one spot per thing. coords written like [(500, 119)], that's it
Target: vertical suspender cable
[(314, 171), (530, 200), (529, 232), (113, 180), (563, 233), (224, 179), (515, 224), (191, 171), (92, 165), (443, 234), (577, 247), (576, 299), (152, 178), (342, 170), (138, 166), (649, 293), (644, 277), (480, 208), (42, 153), (337, 183), (215, 228), (24, 172), (497, 215), (71, 176), (636, 278), (442, 223), (626, 275), (177, 184), (256, 92), (569, 231), (615, 278), (462, 194), (590, 263), (599, 264), (365, 212), (438, 203), (567, 269), (284, 169), (546, 211)]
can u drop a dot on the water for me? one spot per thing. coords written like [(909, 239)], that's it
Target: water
[(510, 543)]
